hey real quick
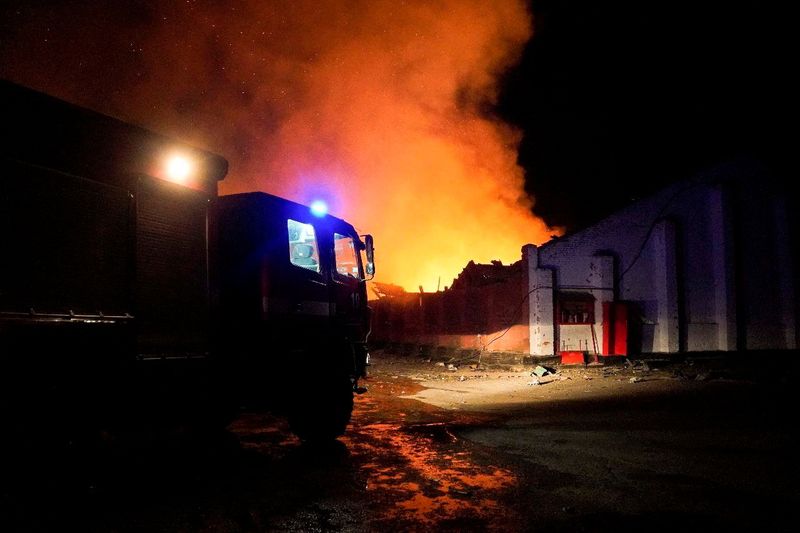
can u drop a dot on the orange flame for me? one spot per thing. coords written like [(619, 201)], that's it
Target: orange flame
[(379, 106)]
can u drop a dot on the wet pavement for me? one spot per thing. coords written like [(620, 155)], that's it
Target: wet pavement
[(400, 467), (419, 473), (681, 455)]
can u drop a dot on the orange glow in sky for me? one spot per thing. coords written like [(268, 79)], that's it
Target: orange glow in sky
[(380, 108)]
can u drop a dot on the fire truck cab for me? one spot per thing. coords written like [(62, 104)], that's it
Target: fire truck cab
[(293, 307), (129, 290)]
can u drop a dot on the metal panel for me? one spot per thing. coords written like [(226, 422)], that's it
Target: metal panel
[(65, 244), (172, 269)]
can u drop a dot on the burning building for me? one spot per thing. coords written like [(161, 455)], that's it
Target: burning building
[(705, 265), (484, 299)]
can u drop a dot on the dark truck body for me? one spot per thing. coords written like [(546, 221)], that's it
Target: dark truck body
[(110, 289), (280, 313)]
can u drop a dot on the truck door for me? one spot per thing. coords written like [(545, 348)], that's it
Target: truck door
[(346, 278), (306, 290)]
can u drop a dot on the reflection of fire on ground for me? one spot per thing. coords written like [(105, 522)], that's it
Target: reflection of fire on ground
[(427, 481)]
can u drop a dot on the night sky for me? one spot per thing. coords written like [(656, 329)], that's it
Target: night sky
[(618, 98), (437, 126)]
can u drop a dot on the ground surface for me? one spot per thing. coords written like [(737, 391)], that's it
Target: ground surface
[(431, 448)]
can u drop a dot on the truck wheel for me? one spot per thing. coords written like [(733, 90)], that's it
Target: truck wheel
[(323, 411)]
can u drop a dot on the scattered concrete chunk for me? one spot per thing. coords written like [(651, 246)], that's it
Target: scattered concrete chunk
[(544, 380), (540, 371)]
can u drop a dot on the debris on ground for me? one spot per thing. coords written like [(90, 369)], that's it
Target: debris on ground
[(542, 374), (540, 371), (440, 363), (546, 379), (635, 379), (637, 364), (452, 367)]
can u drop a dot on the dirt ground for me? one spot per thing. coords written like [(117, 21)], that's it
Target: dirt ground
[(496, 388), (703, 445), (697, 444)]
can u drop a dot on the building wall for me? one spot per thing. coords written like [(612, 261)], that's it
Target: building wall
[(476, 315), (708, 264), (592, 275), (705, 265)]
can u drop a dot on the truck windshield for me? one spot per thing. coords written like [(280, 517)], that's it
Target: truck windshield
[(346, 256), (303, 248)]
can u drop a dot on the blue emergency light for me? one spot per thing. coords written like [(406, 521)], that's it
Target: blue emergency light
[(319, 208)]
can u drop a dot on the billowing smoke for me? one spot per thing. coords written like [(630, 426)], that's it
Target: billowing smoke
[(381, 107)]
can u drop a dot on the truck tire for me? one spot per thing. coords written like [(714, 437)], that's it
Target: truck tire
[(323, 412)]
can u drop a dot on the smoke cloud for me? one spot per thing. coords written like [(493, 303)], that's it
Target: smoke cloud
[(383, 108)]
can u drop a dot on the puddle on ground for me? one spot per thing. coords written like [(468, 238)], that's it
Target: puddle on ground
[(416, 472), (420, 472)]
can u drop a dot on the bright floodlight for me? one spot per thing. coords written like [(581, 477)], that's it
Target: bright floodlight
[(319, 208), (178, 168)]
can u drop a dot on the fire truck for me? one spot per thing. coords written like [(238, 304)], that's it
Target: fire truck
[(131, 292)]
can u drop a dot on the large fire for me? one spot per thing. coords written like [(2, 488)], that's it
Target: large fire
[(381, 108)]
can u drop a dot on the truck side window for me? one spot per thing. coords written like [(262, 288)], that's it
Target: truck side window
[(345, 255), (303, 249)]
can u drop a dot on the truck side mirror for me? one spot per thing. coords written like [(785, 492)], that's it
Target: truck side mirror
[(370, 251)]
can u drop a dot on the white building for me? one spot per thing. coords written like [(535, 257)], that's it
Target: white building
[(709, 264)]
